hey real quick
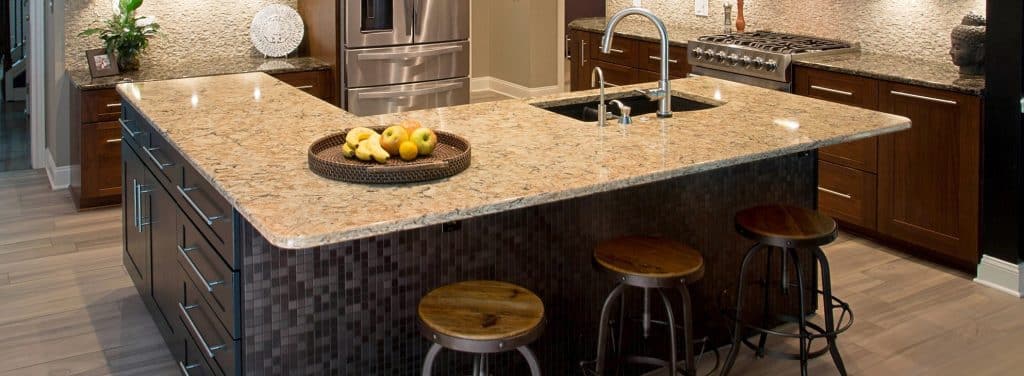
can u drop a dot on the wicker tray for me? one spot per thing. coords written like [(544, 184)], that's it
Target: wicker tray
[(450, 157)]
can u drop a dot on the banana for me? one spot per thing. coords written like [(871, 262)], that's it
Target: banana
[(379, 154), (348, 151), (356, 135), (363, 150)]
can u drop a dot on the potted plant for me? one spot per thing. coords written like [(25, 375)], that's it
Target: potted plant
[(126, 36)]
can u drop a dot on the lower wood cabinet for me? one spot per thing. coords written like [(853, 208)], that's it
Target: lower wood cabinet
[(632, 61), (848, 194)]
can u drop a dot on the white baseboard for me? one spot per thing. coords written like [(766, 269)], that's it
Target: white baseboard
[(1001, 275), (511, 89), (60, 177)]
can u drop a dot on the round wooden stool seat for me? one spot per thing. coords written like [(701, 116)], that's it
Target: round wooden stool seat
[(786, 226), (650, 262), (481, 316)]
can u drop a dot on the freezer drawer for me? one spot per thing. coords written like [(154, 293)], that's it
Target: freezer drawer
[(441, 20), (401, 98), (407, 64)]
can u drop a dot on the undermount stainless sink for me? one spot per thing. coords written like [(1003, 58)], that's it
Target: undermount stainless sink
[(587, 111)]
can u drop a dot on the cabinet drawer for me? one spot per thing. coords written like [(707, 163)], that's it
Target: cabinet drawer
[(623, 52), (194, 363), (160, 156), (860, 154), (648, 76), (100, 105), (216, 282), (316, 83), (214, 345), (836, 87), (101, 159), (617, 74), (132, 127), (208, 210), (649, 59), (847, 194)]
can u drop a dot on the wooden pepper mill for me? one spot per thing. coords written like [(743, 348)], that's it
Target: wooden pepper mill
[(740, 23)]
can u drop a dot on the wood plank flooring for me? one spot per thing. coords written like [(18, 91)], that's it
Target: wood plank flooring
[(68, 308)]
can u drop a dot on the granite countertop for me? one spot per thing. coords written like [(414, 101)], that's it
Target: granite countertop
[(928, 73), (253, 149), (643, 29), (172, 69)]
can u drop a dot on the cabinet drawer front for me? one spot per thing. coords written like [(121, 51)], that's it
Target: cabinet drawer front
[(649, 76), (132, 127), (209, 211), (214, 344), (316, 83), (195, 363), (101, 159), (623, 51), (216, 282), (847, 194), (836, 87), (161, 157), (100, 105), (650, 59), (861, 154), (617, 74)]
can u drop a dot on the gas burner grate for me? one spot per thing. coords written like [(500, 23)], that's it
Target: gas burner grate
[(776, 42)]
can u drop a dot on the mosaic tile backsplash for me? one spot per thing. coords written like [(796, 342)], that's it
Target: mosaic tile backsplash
[(913, 28), (192, 29)]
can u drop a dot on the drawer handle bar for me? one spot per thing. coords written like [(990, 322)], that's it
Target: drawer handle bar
[(831, 192), (409, 93), (208, 219), (149, 153), (113, 140), (184, 368), (128, 130), (830, 90), (409, 55), (139, 190), (113, 105), (304, 87), (199, 336), (922, 97), (583, 53), (209, 285), (656, 58)]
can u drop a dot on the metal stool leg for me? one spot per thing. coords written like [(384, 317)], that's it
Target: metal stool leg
[(691, 365), (531, 360), (804, 336), (673, 362), (766, 300), (737, 334), (830, 325), (428, 363), (602, 334)]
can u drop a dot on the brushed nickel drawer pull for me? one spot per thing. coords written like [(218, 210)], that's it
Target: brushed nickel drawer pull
[(583, 53), (304, 87), (922, 97), (830, 90), (113, 105), (184, 368), (671, 61), (209, 285), (124, 126), (113, 140), (615, 50), (195, 330), (208, 219), (138, 190), (149, 153), (831, 192)]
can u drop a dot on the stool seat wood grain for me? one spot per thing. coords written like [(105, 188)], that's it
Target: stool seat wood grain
[(786, 226), (482, 310), (650, 257)]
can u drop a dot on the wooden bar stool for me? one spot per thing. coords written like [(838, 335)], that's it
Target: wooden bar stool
[(788, 229), (481, 317), (649, 264)]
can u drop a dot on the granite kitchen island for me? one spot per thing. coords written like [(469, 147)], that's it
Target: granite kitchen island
[(252, 264)]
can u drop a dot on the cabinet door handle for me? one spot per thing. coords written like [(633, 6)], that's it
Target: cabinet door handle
[(922, 97), (184, 368), (834, 193), (208, 219), (583, 53), (209, 285), (656, 58), (195, 330), (113, 105), (113, 140), (149, 153), (139, 190), (616, 50), (830, 90), (124, 126), (304, 87)]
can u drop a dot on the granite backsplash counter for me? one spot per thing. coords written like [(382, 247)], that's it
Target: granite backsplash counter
[(173, 69), (253, 150)]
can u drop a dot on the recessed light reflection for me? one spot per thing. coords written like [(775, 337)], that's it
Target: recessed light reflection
[(788, 124), (195, 100), (257, 94), (718, 95)]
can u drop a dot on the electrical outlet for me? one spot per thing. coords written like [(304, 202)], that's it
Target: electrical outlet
[(638, 3), (700, 8)]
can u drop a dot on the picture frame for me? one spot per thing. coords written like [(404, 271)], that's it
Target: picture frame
[(101, 63)]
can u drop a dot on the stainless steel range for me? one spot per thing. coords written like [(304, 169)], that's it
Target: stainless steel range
[(760, 58)]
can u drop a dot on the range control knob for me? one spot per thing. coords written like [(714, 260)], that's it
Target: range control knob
[(758, 63), (709, 54), (746, 61), (734, 59), (771, 65), (697, 52), (721, 56)]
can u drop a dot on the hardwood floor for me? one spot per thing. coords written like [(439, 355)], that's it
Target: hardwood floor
[(68, 308), (14, 137)]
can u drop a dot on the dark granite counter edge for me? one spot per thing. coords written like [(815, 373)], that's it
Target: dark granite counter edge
[(110, 85), (891, 77)]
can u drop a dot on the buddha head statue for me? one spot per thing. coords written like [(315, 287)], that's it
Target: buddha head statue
[(968, 47)]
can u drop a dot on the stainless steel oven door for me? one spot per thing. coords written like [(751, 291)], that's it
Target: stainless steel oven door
[(373, 23), (749, 80), (401, 98), (441, 20), (406, 64)]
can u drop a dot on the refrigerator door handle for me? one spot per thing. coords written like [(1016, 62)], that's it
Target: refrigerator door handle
[(409, 93), (409, 55), (410, 17)]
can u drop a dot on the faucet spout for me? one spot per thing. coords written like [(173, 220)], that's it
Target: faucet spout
[(664, 92)]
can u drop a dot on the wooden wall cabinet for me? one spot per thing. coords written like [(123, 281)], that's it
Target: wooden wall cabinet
[(918, 187), (631, 61)]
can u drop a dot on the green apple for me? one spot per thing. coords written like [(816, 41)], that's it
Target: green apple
[(392, 137), (425, 140)]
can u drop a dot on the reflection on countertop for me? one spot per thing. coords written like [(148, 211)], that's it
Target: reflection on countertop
[(154, 70)]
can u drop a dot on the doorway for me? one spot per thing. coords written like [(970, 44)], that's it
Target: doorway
[(15, 131)]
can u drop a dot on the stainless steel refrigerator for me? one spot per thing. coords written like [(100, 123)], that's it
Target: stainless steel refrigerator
[(403, 55)]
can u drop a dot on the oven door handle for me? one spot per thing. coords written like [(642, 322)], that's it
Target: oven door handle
[(409, 93), (409, 55)]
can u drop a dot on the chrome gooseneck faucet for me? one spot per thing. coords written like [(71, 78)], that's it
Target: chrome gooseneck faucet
[(663, 94)]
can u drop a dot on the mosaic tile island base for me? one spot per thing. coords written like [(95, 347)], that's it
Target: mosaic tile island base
[(330, 272)]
